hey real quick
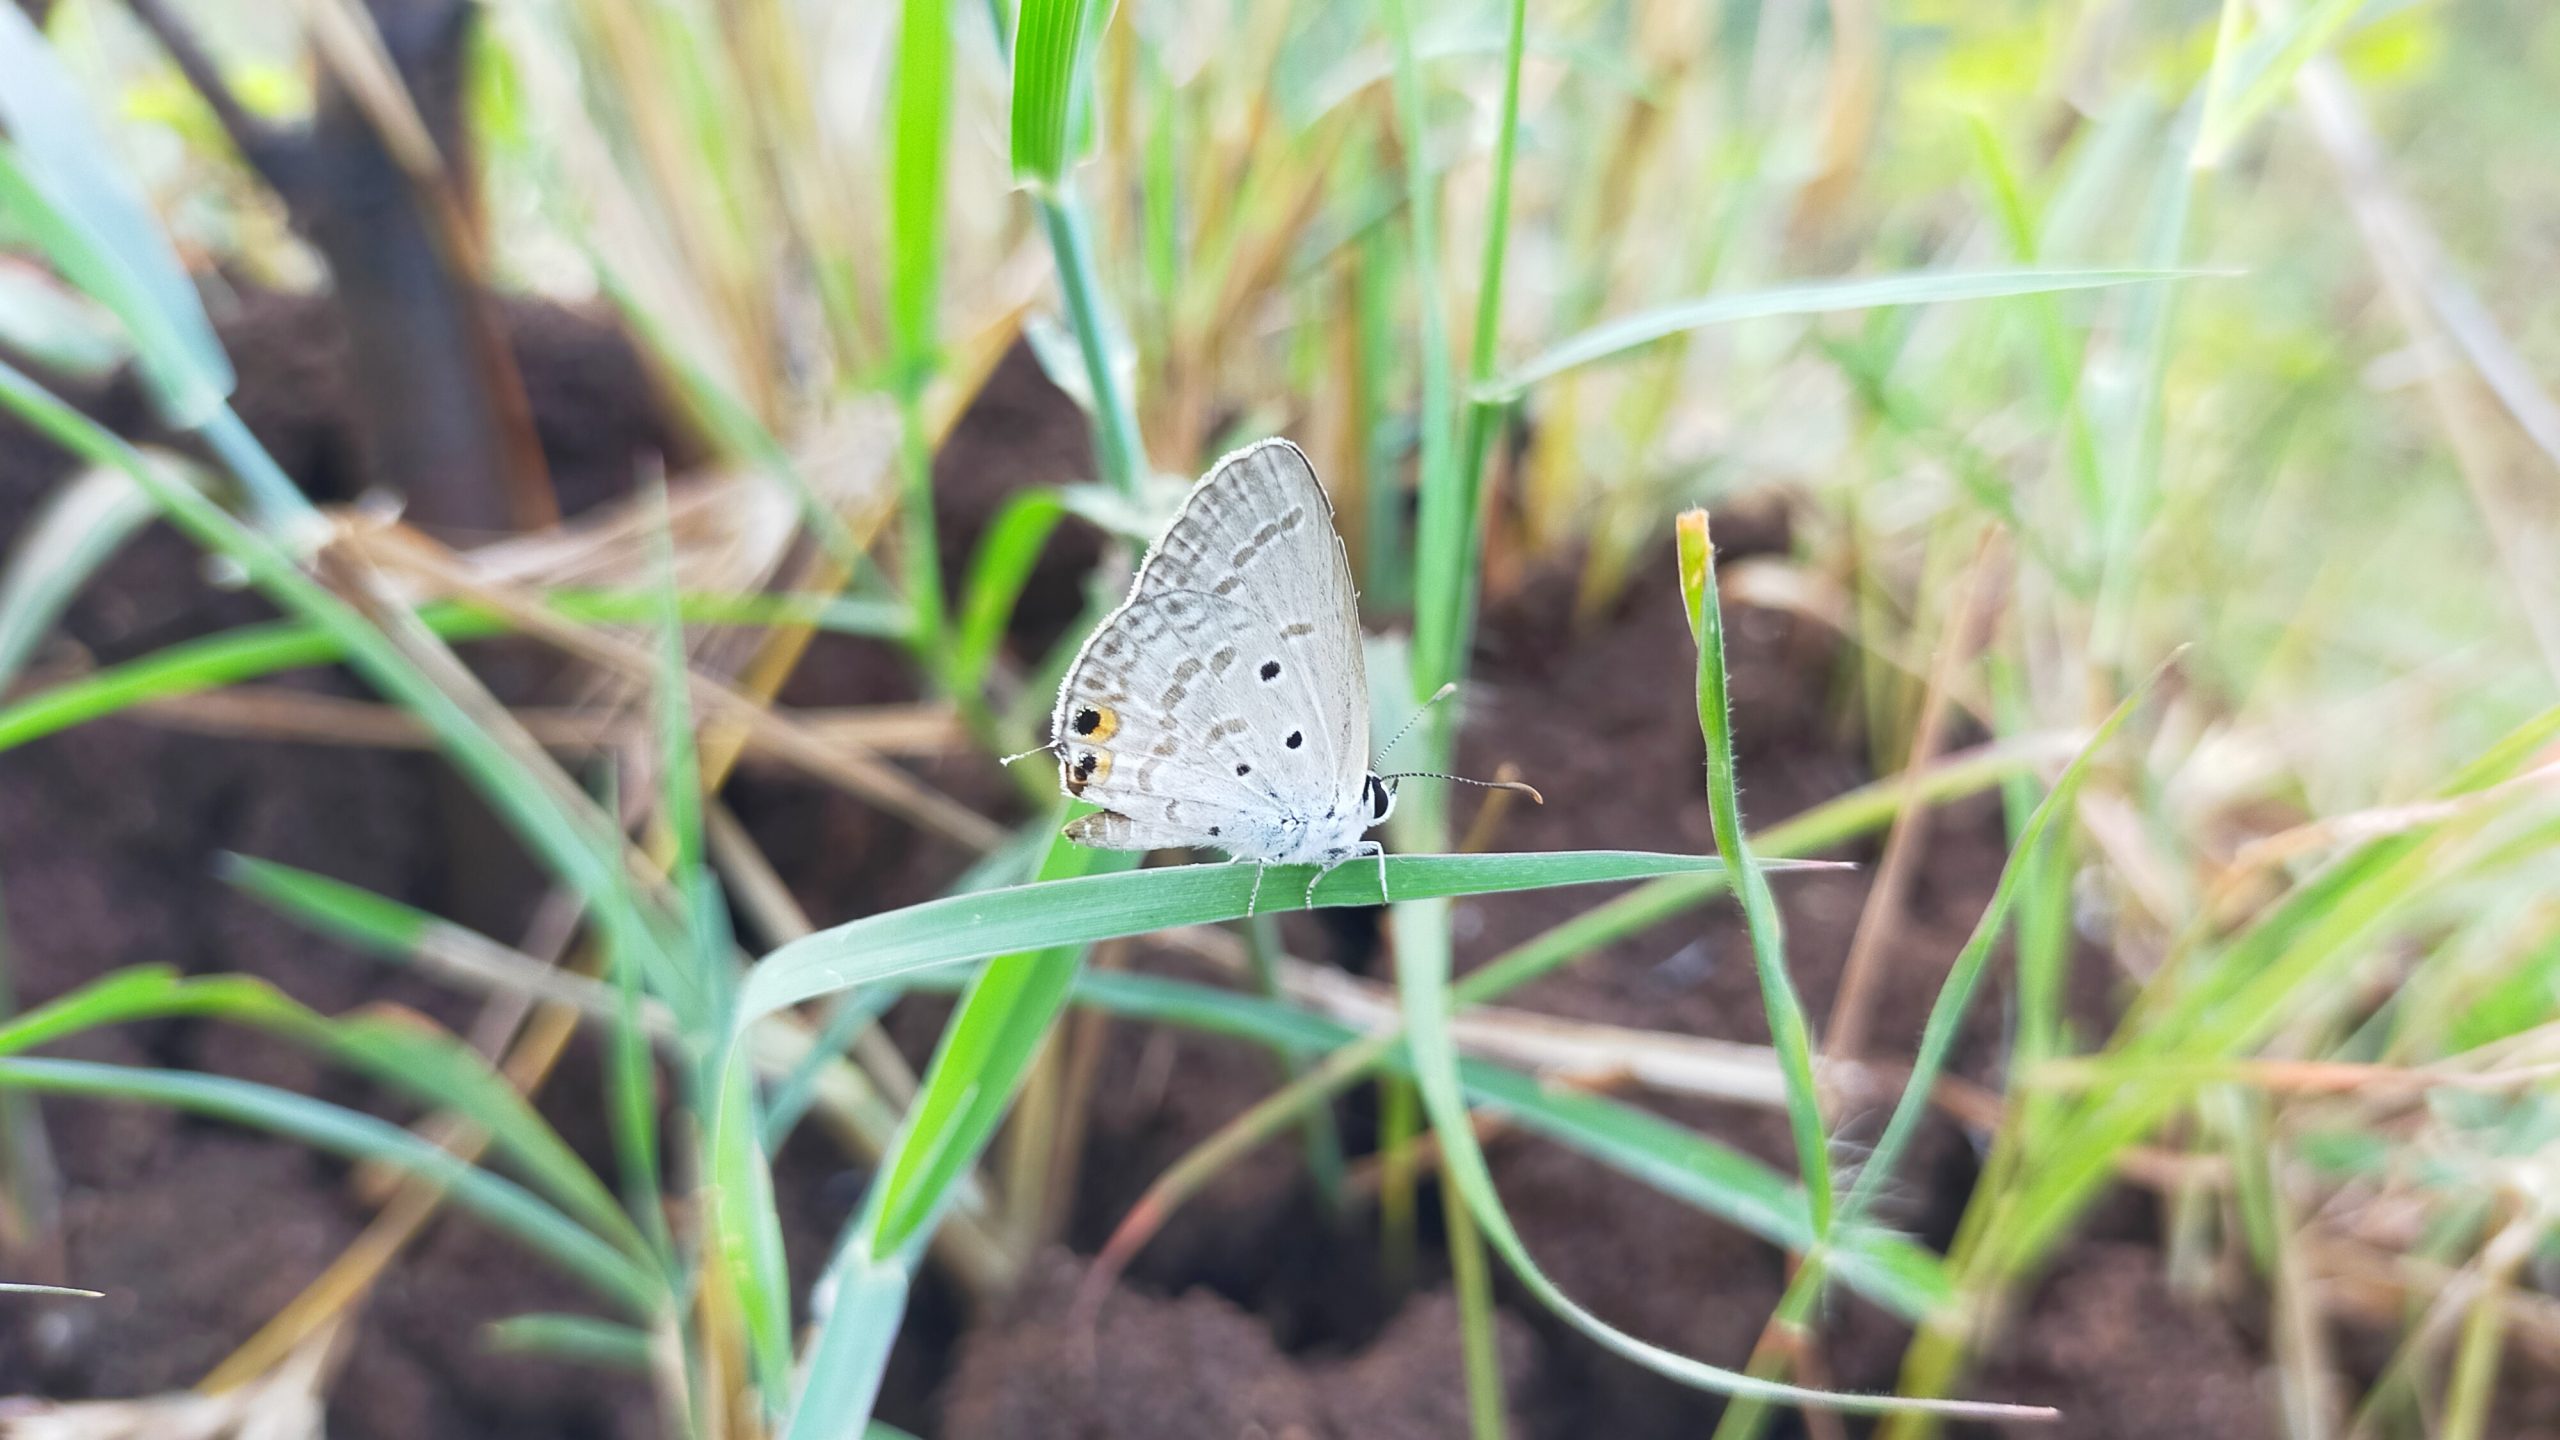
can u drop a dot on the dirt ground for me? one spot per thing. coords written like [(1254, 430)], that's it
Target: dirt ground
[(1253, 1312)]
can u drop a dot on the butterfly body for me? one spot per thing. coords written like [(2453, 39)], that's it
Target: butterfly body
[(1225, 704)]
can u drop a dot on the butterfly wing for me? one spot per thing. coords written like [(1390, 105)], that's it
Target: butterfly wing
[(1229, 691)]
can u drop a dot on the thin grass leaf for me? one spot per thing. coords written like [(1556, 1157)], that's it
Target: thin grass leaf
[(1789, 1032), (78, 529), (399, 1053), (1615, 338), (60, 182), (1422, 981), (2248, 79), (578, 1339), (57, 1291), (322, 1126), (1946, 1014), (1052, 913), (544, 810), (1051, 106), (997, 573), (251, 651)]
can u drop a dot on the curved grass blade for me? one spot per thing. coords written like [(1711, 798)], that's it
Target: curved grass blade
[(1790, 1034), (80, 527), (582, 1339), (358, 1136), (250, 651), (1080, 911), (1614, 338), (1422, 980), (401, 1054), (103, 234)]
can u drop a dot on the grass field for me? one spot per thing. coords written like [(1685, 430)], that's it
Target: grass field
[(2158, 398)]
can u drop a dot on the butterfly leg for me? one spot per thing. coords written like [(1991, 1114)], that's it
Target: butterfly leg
[(1255, 898), (1379, 849)]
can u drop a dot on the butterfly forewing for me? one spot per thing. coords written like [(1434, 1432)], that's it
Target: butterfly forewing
[(1228, 692)]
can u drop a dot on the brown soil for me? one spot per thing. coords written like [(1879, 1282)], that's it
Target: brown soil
[(1252, 1311)]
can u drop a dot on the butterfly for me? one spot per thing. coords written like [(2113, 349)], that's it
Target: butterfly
[(1225, 704)]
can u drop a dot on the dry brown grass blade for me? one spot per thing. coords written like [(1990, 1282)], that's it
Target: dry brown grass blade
[(406, 551), (284, 1404), (2515, 508), (316, 718)]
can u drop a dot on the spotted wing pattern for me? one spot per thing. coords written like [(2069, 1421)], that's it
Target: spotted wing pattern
[(1228, 693)]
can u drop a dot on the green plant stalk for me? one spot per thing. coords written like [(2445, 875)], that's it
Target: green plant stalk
[(1323, 1142), (1477, 1336), (1399, 1123), (1484, 414), (1444, 555), (1789, 1034), (1119, 452), (919, 123)]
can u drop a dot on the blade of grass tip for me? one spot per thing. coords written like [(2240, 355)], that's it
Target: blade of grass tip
[(1614, 338), (1789, 1034), (13, 1287), (339, 1131)]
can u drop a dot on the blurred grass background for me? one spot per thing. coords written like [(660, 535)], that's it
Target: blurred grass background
[(1550, 287)]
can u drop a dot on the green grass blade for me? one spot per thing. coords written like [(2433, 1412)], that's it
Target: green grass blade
[(1614, 338), (60, 180), (1052, 42), (1052, 913), (1955, 996), (1422, 980), (425, 1065), (251, 651), (1789, 1032), (987, 1048), (579, 1339), (504, 1204), (555, 821), (79, 528), (997, 573), (1445, 547)]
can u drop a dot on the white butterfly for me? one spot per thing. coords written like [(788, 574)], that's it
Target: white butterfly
[(1225, 704)]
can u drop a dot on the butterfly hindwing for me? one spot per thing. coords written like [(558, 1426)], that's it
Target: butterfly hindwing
[(1228, 691)]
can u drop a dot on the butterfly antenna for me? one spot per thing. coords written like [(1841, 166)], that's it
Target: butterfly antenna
[(1517, 786), (1443, 693)]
